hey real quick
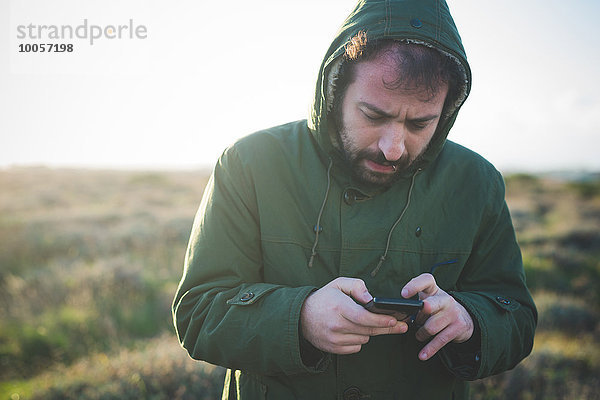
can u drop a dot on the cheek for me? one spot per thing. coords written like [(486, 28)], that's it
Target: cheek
[(416, 144), (361, 136)]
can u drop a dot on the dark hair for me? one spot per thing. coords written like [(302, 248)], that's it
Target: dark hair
[(417, 66)]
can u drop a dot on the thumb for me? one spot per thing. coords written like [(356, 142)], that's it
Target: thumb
[(353, 287)]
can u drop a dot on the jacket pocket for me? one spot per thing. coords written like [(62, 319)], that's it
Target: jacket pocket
[(505, 303), (250, 294)]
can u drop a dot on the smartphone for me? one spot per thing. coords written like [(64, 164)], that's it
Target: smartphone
[(400, 308)]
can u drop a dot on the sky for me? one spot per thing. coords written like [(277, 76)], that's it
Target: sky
[(202, 74)]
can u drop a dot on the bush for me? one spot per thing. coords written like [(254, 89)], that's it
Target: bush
[(542, 376), (586, 189), (564, 313), (159, 369), (89, 262)]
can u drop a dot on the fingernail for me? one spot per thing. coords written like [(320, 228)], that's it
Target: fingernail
[(404, 292), (423, 356), (392, 322)]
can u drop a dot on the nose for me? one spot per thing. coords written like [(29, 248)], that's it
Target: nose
[(391, 143)]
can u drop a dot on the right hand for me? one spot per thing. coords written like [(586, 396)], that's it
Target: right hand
[(334, 323)]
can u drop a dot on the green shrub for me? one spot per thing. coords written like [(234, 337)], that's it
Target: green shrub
[(586, 189), (89, 262), (159, 369), (541, 274), (98, 312), (542, 376), (565, 314)]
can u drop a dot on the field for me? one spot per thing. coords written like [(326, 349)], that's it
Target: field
[(89, 262)]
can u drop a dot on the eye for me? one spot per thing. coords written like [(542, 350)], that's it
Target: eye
[(372, 117), (418, 125)]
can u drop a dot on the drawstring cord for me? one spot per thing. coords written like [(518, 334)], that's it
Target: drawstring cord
[(318, 226), (389, 238), (441, 264)]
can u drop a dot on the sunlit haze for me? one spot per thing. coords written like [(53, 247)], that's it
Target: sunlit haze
[(210, 72)]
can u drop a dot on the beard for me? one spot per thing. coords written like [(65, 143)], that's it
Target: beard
[(357, 157), (366, 175)]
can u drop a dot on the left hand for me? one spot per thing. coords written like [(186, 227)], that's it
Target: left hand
[(442, 317)]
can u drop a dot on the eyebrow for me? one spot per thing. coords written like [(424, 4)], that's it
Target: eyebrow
[(383, 113)]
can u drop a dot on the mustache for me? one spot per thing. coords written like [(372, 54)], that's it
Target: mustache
[(379, 158)]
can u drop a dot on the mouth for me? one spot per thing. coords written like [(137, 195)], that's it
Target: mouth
[(380, 168)]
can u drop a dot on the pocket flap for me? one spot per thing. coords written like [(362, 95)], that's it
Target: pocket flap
[(251, 294)]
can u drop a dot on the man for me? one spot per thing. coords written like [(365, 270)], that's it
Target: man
[(302, 224)]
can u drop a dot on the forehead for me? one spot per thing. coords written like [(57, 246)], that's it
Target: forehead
[(381, 79)]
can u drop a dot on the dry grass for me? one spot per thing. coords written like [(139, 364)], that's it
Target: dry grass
[(159, 369), (89, 261)]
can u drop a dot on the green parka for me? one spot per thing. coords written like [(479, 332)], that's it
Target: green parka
[(277, 195)]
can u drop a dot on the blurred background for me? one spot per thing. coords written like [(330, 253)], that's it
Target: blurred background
[(105, 152)]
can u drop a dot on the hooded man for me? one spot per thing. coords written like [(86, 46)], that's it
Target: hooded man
[(303, 224)]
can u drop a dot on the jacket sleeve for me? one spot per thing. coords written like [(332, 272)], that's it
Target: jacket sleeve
[(492, 288), (223, 311)]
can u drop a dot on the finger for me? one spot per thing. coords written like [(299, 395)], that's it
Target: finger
[(440, 301), (432, 327), (399, 328), (353, 287), (346, 344), (423, 283), (358, 315), (421, 318), (349, 339), (351, 343), (442, 315), (343, 350), (455, 319), (346, 322), (436, 344)]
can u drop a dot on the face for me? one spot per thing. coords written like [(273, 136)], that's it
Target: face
[(385, 130)]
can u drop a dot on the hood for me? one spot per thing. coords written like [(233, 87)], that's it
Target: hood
[(426, 22)]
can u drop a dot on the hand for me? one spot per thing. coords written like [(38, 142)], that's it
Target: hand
[(334, 323), (442, 317)]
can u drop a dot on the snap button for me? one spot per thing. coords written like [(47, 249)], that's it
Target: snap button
[(416, 23), (352, 393), (418, 231), (349, 197), (247, 296), (503, 300)]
